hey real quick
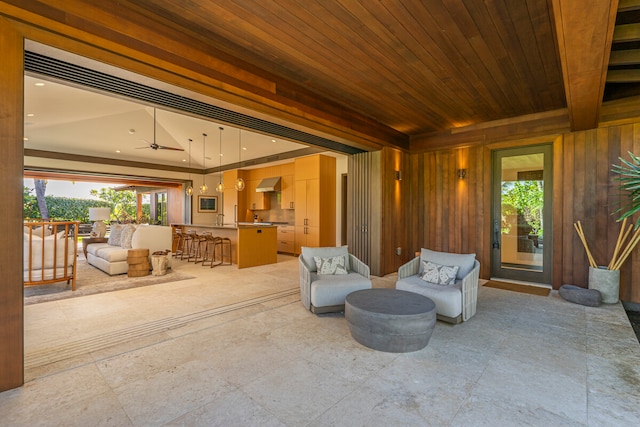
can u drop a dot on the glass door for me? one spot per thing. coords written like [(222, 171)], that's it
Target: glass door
[(161, 208), (521, 214)]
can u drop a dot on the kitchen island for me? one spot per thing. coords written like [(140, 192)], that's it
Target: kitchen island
[(251, 244)]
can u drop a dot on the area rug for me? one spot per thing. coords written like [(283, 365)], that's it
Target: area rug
[(94, 281), (515, 287)]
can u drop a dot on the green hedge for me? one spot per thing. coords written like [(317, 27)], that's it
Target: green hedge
[(70, 209)]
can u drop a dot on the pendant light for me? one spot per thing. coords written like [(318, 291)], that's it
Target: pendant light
[(203, 187), (220, 186), (239, 185), (189, 188)]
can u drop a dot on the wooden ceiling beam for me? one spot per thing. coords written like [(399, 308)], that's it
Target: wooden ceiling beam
[(584, 32)]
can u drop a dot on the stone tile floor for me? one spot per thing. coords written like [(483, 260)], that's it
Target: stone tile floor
[(236, 348)]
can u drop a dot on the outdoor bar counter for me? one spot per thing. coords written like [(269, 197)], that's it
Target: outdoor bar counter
[(251, 244)]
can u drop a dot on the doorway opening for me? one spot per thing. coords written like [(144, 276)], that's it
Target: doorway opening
[(521, 214)]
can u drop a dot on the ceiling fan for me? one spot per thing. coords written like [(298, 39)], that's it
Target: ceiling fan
[(154, 145)]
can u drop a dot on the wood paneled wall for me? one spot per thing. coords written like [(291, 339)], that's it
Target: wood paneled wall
[(395, 208), (448, 214), (590, 194)]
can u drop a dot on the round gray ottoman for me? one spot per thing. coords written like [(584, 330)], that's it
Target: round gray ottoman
[(390, 320)]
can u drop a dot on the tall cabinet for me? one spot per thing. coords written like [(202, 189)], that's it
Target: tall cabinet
[(234, 207), (315, 201)]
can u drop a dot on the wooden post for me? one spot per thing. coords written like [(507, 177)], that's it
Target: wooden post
[(11, 183)]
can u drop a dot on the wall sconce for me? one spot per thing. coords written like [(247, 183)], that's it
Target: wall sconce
[(462, 173), (398, 175)]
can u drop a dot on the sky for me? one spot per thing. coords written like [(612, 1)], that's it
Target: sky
[(76, 190)]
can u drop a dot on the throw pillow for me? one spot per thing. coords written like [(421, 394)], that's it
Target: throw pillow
[(439, 274), (331, 265), (38, 231), (115, 234), (127, 235)]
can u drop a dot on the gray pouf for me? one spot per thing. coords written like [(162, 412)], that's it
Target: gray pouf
[(390, 320), (582, 296)]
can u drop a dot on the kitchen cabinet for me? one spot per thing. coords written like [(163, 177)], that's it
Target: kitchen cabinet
[(287, 194), (257, 245), (315, 202), (286, 238), (255, 200), (233, 202)]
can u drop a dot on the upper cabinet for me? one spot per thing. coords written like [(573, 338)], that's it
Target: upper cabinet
[(287, 194), (255, 200), (287, 186)]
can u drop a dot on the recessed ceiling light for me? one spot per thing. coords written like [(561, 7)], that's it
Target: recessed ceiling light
[(132, 131), (25, 139), (273, 140), (30, 115), (39, 84), (244, 148), (184, 160), (117, 151)]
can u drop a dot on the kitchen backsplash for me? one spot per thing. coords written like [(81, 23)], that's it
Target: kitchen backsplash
[(275, 214)]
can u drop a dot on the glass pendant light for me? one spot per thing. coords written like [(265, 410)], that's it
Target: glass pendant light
[(189, 188), (203, 187), (220, 186), (239, 184)]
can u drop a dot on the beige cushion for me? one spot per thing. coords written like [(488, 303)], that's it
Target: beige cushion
[(37, 231), (115, 235), (127, 235)]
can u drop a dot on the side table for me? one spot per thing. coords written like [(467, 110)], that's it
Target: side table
[(87, 240)]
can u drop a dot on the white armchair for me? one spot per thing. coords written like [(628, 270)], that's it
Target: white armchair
[(324, 293), (455, 302)]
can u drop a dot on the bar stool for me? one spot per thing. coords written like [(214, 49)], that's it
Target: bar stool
[(222, 243), (187, 244), (178, 241), (196, 252), (209, 250)]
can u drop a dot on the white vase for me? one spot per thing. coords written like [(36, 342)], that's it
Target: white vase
[(607, 282)]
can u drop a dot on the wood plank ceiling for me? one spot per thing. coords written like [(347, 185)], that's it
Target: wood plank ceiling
[(415, 66), (407, 68)]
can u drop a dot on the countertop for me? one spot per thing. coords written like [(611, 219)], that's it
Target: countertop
[(233, 226)]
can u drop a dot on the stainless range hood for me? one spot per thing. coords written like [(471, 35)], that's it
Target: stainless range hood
[(269, 184)]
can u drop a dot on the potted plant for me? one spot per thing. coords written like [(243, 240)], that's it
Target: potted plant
[(607, 278)]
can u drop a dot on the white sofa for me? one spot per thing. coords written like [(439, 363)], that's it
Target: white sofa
[(455, 302), (111, 257)]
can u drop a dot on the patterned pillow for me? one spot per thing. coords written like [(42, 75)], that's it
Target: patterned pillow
[(439, 274), (127, 235), (331, 265), (115, 234)]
